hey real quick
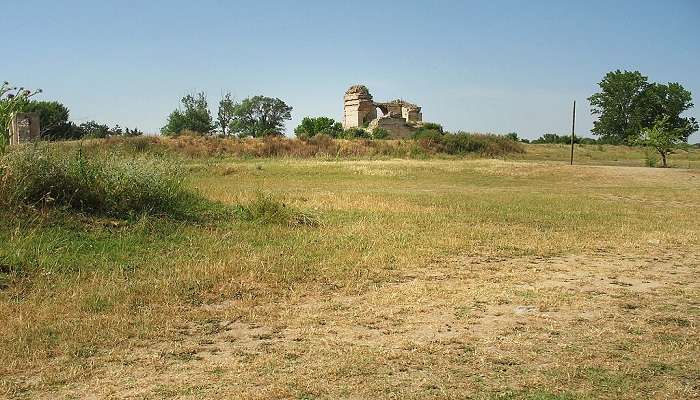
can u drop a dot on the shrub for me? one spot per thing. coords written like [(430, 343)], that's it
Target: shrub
[(513, 136), (356, 133), (432, 126), (42, 177), (380, 133), (462, 143), (428, 135)]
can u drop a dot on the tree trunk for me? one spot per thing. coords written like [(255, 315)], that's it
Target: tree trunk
[(663, 159)]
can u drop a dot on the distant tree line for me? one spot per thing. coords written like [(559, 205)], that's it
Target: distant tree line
[(255, 116), (558, 139)]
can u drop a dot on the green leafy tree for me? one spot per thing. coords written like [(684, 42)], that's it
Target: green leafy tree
[(310, 127), (195, 116), (513, 136), (53, 118), (670, 101), (620, 106), (259, 116), (628, 103), (225, 113), (94, 129), (663, 137)]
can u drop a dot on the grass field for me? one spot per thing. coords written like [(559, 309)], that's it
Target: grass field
[(515, 278)]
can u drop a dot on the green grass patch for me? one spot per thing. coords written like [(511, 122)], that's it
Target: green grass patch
[(41, 177)]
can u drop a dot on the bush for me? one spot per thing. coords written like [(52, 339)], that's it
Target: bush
[(380, 133), (428, 135), (432, 126), (356, 133), (99, 184), (462, 143)]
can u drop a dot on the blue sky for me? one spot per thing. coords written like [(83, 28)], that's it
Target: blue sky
[(487, 66)]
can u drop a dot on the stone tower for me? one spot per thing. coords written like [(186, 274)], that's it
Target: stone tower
[(359, 107), (24, 127)]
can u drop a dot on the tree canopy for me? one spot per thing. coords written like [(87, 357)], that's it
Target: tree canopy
[(259, 116), (312, 126), (628, 103), (225, 113), (194, 117), (53, 119)]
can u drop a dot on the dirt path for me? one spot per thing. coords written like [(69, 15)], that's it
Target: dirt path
[(470, 326)]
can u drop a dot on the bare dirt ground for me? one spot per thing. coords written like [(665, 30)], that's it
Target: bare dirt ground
[(469, 327)]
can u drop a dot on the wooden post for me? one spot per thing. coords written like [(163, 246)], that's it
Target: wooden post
[(573, 126)]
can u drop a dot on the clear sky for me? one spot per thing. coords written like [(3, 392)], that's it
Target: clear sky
[(487, 66)]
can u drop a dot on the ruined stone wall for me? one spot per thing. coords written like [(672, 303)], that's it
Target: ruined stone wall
[(412, 114), (359, 108), (24, 127)]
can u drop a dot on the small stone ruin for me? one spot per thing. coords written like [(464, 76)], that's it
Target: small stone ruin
[(400, 118), (24, 127)]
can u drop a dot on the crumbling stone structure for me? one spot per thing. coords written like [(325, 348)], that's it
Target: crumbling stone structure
[(400, 118), (24, 127), (359, 107)]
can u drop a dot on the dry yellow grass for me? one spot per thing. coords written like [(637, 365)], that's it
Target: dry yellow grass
[(427, 279)]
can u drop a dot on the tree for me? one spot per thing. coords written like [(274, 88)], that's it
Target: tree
[(619, 106), (663, 137), (53, 118), (225, 113), (628, 103), (195, 116), (93, 129), (513, 136), (259, 116), (671, 101), (310, 127)]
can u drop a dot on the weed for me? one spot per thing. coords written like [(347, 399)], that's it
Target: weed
[(268, 210), (39, 176)]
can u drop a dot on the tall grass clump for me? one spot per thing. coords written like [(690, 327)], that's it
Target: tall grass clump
[(41, 177), (268, 210)]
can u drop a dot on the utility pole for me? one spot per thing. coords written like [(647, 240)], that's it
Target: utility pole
[(573, 127)]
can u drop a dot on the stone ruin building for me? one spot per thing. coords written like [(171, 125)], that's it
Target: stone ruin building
[(400, 118), (24, 127)]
